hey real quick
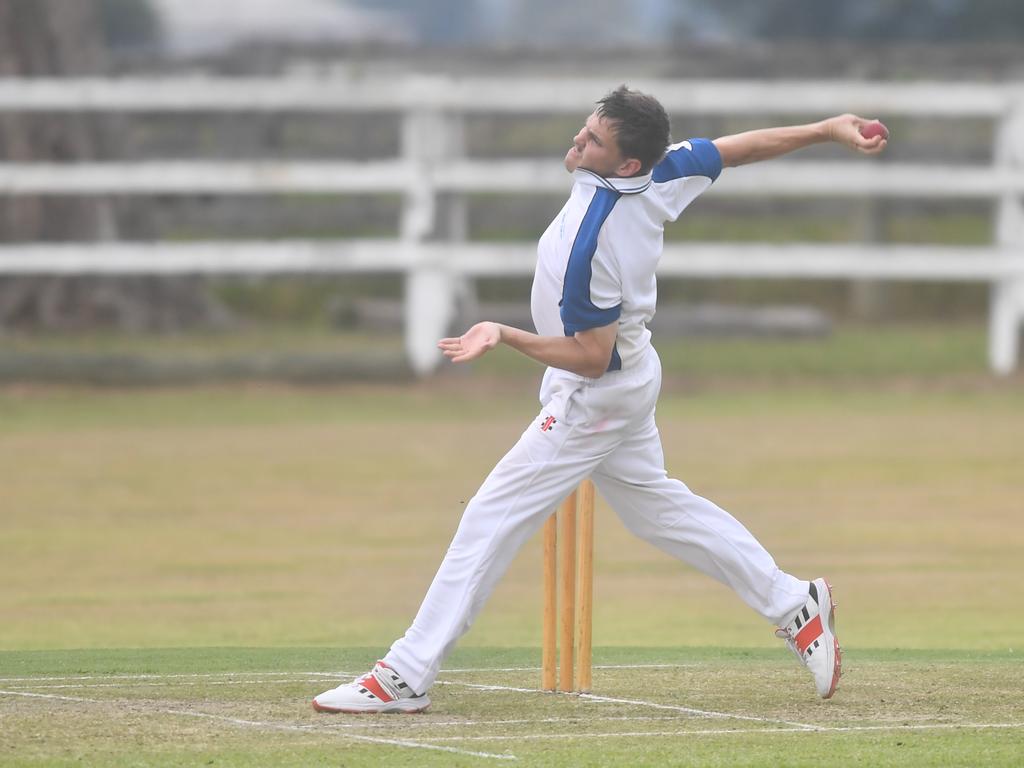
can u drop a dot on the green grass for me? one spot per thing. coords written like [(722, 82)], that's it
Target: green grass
[(857, 352), (230, 530), (851, 352), (870, 352), (207, 516), (698, 707), (259, 340)]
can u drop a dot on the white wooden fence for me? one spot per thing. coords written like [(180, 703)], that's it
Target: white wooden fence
[(433, 161)]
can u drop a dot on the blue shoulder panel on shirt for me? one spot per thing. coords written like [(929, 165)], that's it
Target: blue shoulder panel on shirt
[(703, 160), (578, 312)]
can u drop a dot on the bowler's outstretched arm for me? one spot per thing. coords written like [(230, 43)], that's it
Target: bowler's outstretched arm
[(767, 143)]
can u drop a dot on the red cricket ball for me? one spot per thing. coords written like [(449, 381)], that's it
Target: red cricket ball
[(876, 128)]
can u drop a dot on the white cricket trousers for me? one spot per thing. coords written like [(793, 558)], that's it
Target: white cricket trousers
[(601, 428)]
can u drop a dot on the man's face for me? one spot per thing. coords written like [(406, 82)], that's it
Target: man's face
[(596, 149)]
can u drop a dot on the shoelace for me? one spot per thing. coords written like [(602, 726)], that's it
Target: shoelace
[(385, 682), (785, 634)]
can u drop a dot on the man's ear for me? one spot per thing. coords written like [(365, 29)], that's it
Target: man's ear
[(630, 167)]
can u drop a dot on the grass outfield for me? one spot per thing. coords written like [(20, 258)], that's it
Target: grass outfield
[(305, 524)]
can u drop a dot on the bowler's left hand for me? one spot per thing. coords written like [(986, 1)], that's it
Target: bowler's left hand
[(474, 343)]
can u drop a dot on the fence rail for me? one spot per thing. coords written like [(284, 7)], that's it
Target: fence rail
[(432, 161), (353, 93), (700, 260), (794, 178)]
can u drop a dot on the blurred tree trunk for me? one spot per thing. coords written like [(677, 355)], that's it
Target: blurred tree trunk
[(47, 38)]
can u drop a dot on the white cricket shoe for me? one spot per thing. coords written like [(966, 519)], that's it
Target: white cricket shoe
[(811, 636), (379, 690)]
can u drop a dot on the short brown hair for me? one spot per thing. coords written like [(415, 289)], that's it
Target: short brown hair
[(640, 125)]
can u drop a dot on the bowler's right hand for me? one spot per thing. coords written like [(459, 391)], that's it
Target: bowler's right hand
[(845, 129)]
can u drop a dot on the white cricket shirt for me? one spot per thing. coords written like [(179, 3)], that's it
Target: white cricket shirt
[(596, 260)]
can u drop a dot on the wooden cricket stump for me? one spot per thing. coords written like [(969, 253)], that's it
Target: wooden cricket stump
[(569, 593)]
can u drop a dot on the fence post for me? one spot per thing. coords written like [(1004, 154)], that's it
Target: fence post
[(1006, 312), (454, 224), (430, 288)]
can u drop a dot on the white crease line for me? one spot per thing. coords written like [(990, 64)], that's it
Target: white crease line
[(161, 684), (481, 687), (491, 669), (645, 666), (184, 675), (523, 721), (636, 702), (705, 732), (702, 712), (30, 695), (356, 736), (341, 673), (730, 731), (275, 726), (595, 666)]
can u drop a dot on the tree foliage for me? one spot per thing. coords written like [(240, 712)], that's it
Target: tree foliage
[(65, 38), (129, 24), (887, 20)]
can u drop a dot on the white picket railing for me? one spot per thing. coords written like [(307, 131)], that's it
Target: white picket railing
[(432, 161)]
